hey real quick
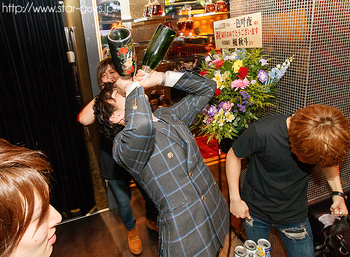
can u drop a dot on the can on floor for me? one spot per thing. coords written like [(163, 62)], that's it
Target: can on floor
[(252, 248), (240, 251), (264, 248)]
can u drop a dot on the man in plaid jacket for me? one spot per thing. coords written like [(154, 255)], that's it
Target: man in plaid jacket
[(161, 154)]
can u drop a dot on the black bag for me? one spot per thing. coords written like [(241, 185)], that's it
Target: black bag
[(337, 238)]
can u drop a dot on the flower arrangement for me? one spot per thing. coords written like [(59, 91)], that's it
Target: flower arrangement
[(245, 86)]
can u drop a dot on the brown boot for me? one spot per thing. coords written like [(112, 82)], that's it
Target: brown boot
[(134, 241)]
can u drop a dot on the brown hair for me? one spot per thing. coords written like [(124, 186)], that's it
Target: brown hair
[(103, 110), (320, 135), (20, 181), (102, 67)]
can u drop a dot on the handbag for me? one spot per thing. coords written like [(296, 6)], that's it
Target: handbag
[(337, 238)]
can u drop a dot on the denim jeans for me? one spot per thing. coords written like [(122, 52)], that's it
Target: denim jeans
[(296, 237), (151, 210), (122, 193)]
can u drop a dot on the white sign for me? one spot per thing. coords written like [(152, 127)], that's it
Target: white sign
[(240, 32)]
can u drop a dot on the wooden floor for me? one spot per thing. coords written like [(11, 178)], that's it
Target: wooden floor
[(103, 234)]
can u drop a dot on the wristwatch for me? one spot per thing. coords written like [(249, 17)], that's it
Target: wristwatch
[(340, 194)]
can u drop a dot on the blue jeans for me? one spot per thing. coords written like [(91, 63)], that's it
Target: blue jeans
[(296, 237), (122, 193)]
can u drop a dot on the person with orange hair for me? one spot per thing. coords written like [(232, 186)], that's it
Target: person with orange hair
[(283, 151), (27, 220)]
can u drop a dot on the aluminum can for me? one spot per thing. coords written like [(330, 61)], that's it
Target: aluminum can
[(240, 251), (264, 248), (252, 248)]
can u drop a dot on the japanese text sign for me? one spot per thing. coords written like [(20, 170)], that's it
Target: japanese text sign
[(240, 32)]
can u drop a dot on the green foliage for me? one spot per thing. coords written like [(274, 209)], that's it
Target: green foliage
[(245, 87)]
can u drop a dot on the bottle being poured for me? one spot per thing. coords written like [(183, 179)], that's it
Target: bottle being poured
[(157, 48)]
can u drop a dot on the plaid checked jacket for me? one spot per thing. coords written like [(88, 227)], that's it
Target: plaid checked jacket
[(164, 158)]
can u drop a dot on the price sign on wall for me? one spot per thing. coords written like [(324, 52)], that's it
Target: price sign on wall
[(240, 32)]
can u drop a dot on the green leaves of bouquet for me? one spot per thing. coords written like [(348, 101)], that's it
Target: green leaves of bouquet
[(245, 86)]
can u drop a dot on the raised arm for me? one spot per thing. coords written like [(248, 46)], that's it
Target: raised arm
[(200, 90), (86, 115), (338, 208)]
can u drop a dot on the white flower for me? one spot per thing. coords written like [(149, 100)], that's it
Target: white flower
[(225, 75), (229, 116), (216, 117), (219, 79), (263, 61), (207, 59), (229, 58)]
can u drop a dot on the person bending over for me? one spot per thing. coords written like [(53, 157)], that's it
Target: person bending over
[(27, 220), (117, 178), (283, 151), (161, 154)]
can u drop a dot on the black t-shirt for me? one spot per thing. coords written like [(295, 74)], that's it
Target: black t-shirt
[(275, 186), (109, 169)]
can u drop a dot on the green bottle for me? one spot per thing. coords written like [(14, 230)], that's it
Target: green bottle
[(157, 47)]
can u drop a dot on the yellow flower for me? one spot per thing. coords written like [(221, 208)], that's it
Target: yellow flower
[(229, 116), (217, 77), (238, 64), (221, 121), (219, 85), (216, 117)]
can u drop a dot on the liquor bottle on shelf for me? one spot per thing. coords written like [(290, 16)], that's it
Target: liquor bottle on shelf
[(148, 9), (154, 100), (157, 8), (163, 99), (169, 24), (189, 23), (157, 48), (221, 6), (209, 6), (181, 25)]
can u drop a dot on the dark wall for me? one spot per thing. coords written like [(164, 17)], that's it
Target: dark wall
[(38, 105)]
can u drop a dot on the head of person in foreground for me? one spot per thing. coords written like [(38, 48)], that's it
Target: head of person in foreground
[(27, 220)]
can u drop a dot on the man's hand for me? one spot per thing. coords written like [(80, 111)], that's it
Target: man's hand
[(154, 79), (239, 209), (122, 85), (338, 208)]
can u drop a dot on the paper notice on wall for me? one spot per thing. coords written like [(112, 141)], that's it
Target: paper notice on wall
[(239, 32)]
